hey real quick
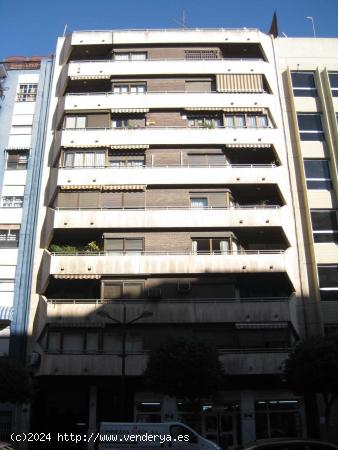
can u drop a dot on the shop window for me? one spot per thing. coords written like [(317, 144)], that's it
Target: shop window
[(277, 419), (310, 127), (303, 84), (317, 173), (328, 281), (324, 225)]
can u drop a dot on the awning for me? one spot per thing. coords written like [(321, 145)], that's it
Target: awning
[(80, 187), (6, 313), (261, 326), (130, 147), (248, 145), (124, 187), (6, 226), (83, 276), (231, 109), (129, 110), (204, 108), (8, 149), (85, 146), (90, 77), (239, 82)]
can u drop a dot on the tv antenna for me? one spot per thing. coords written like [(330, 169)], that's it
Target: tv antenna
[(183, 21)]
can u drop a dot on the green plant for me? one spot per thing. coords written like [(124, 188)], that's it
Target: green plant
[(92, 247), (55, 248)]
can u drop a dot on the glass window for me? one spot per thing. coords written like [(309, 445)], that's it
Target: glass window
[(75, 122), (73, 342), (333, 77), (310, 127), (328, 281), (27, 93), (303, 84), (277, 418), (17, 159), (124, 245), (132, 56), (324, 225), (317, 173), (81, 159), (199, 202)]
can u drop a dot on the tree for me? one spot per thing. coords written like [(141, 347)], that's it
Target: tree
[(185, 368), (15, 382), (313, 368)]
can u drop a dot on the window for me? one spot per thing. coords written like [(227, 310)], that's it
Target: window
[(27, 93), (72, 341), (303, 84), (9, 238), (310, 127), (83, 158), (17, 159), (328, 281), (121, 160), (73, 122), (130, 56), (121, 122), (277, 418), (317, 172), (129, 88), (246, 121), (122, 289), (12, 202), (333, 77), (201, 54), (124, 245), (324, 225), (204, 121), (199, 202), (210, 245)]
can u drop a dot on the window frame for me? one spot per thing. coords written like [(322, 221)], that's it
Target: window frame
[(27, 92), (308, 91), (129, 85), (331, 232), (130, 56), (240, 120), (74, 152), (19, 165), (334, 89), (77, 118), (124, 245), (327, 182), (307, 135), (330, 289)]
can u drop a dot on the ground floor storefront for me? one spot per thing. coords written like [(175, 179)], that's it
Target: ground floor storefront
[(245, 410)]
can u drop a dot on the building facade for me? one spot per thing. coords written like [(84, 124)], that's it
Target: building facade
[(167, 209), (23, 112)]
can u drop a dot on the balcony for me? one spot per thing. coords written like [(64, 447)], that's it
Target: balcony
[(235, 362), (171, 175), (160, 217), (213, 310), (93, 265)]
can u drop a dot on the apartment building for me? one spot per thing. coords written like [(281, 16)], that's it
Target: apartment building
[(166, 209), (23, 112), (309, 84)]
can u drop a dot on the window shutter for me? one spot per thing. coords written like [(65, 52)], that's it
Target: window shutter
[(198, 86), (218, 199), (67, 200), (134, 245), (216, 159), (113, 245), (196, 160), (98, 120), (111, 200), (112, 290), (89, 199), (132, 290), (134, 199)]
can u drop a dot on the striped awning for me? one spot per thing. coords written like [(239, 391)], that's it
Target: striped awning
[(84, 146), (8, 149), (130, 147), (204, 108), (248, 145), (260, 326), (90, 77), (129, 110), (239, 82), (6, 313), (231, 109), (83, 276), (80, 187), (124, 187)]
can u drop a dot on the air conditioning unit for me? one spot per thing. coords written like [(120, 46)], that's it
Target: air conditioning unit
[(154, 292), (183, 286)]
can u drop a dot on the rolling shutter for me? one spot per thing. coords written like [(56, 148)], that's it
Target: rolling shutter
[(134, 200), (89, 199), (111, 200)]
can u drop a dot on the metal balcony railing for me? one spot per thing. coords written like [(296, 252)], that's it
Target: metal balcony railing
[(168, 208), (167, 253)]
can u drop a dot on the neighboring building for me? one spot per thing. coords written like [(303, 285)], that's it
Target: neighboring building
[(24, 91), (166, 190), (309, 85)]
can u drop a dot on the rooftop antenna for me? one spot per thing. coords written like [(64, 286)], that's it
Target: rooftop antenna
[(313, 25), (183, 21), (65, 30)]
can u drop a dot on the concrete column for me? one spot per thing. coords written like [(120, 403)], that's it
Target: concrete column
[(169, 409), (248, 417), (92, 413)]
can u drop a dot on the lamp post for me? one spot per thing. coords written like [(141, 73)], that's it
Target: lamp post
[(313, 25), (124, 324)]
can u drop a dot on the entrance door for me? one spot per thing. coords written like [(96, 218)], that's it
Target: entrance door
[(221, 427)]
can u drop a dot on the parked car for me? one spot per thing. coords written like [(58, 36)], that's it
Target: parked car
[(290, 444)]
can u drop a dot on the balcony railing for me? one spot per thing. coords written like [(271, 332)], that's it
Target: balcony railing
[(160, 252), (76, 94), (210, 301), (176, 166), (188, 60), (166, 208)]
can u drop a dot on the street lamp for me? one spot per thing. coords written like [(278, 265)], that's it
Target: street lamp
[(124, 324), (313, 25)]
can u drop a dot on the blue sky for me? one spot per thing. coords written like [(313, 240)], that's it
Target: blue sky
[(30, 27)]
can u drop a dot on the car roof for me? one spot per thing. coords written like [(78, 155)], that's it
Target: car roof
[(272, 441)]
